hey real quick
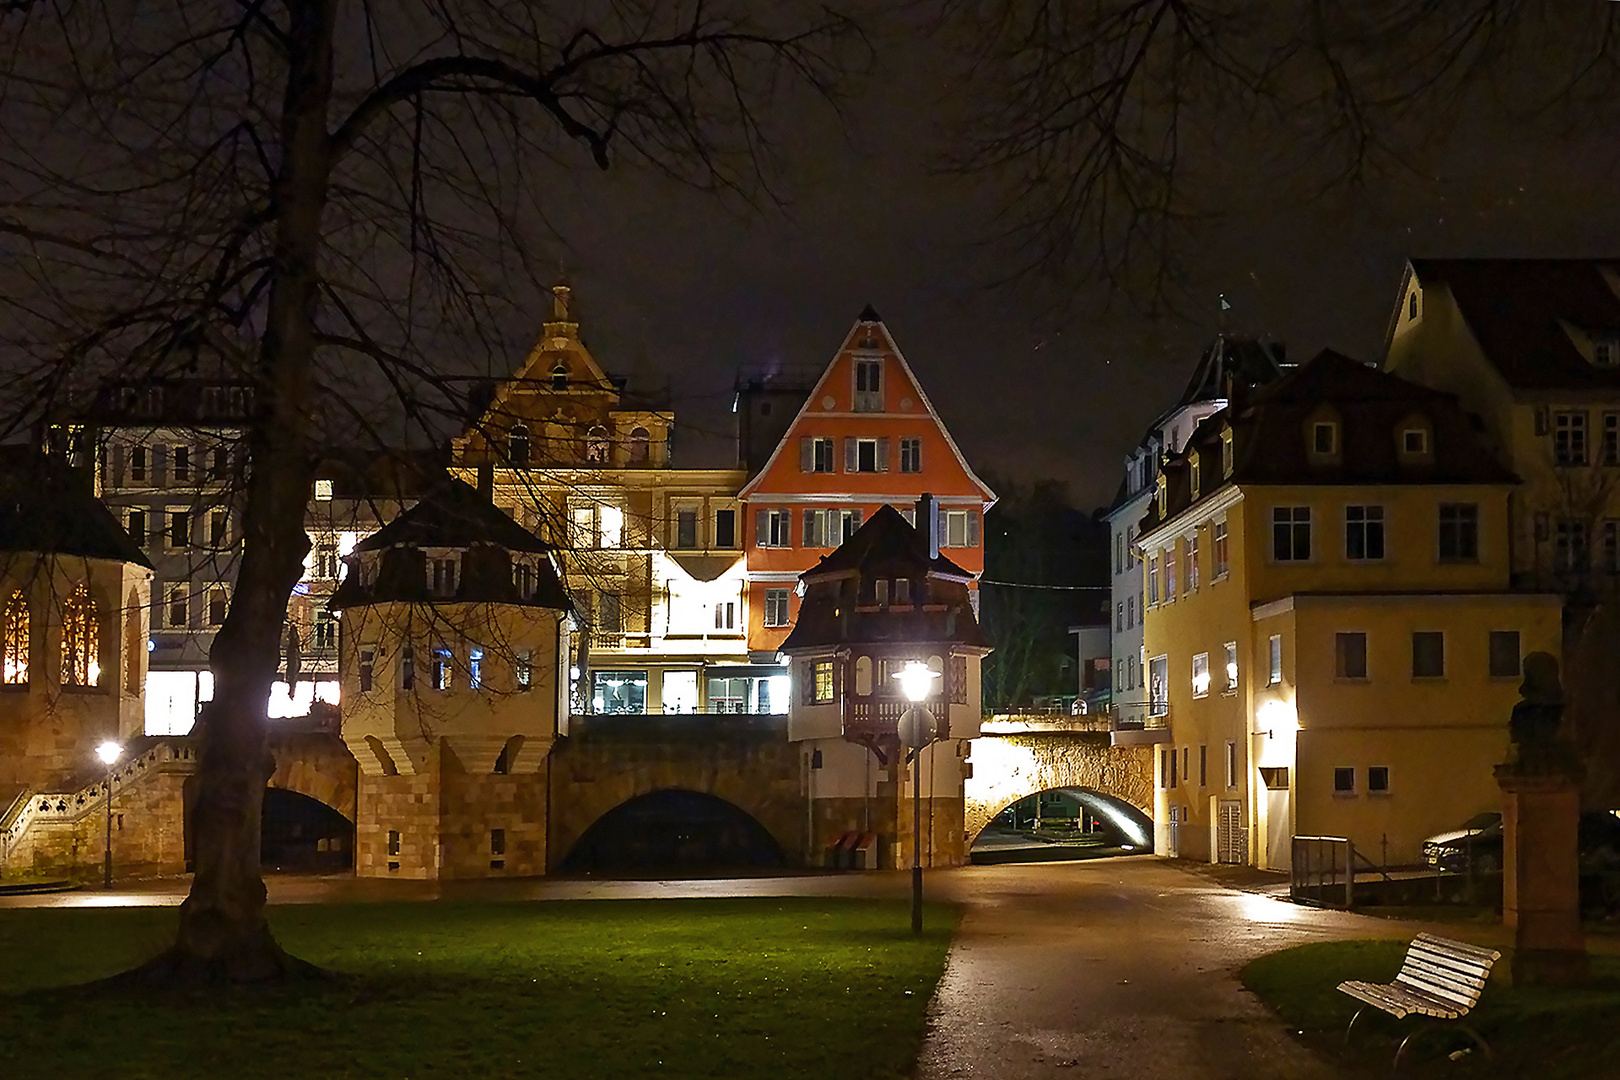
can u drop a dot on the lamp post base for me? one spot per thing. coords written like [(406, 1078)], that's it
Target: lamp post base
[(916, 899)]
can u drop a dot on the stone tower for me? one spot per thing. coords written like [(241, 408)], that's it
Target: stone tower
[(452, 630), (882, 599)]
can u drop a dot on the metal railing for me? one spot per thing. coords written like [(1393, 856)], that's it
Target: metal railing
[(1323, 871)]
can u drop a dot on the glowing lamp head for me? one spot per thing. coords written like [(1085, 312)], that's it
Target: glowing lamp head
[(109, 752), (916, 680)]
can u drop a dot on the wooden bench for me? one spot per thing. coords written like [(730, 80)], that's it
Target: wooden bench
[(1440, 978)]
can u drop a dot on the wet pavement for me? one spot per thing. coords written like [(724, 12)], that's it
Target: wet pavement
[(1120, 967)]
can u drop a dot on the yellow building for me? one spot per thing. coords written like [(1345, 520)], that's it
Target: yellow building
[(1331, 636), (450, 658)]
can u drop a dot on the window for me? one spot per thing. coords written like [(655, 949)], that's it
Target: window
[(725, 528), (1130, 612), (559, 377), (15, 671), (1505, 656), (1192, 562), (179, 529), (323, 488), (325, 630), (1153, 580), (1350, 655), (219, 604), (475, 667), (219, 463), (1606, 351), (1324, 438), (829, 528), (497, 842), (821, 681), (1414, 442), (686, 528), (179, 605), (1203, 766), (180, 464), (1231, 764), (517, 447), (610, 526), (137, 464), (1363, 532), (1119, 553), (523, 580), (1378, 780), (523, 669), (1222, 565), (725, 615), (596, 445), (393, 842), (135, 525), (407, 669), (81, 634), (902, 590), (325, 558), (1411, 305), (1231, 668), (442, 575), (1200, 675), (1185, 751), (1159, 686), (1274, 653), (1569, 438), (1569, 544), (960, 529), (1459, 532), (1611, 438), (773, 529), (609, 613), (1172, 562), (1291, 533), (219, 533), (816, 455), (866, 455), (868, 386), (1226, 453), (1428, 654), (440, 670), (368, 668), (1344, 781), (911, 455), (776, 607)]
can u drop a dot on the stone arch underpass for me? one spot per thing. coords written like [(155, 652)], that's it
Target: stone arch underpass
[(1009, 765)]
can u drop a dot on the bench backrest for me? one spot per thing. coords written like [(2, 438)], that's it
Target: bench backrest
[(1449, 970)]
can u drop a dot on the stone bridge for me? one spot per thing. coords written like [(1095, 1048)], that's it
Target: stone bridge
[(608, 762), (1018, 756)]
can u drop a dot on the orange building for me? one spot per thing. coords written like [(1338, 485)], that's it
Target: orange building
[(867, 436)]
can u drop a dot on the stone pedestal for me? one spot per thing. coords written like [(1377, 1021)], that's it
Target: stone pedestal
[(1541, 877)]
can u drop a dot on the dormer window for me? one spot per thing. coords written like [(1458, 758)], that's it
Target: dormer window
[(1606, 352), (1324, 438), (1226, 454), (1415, 442), (902, 590), (1412, 305), (1193, 471), (442, 574), (559, 377), (1162, 497)]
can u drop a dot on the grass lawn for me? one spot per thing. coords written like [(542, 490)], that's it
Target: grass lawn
[(1546, 1034), (724, 988)]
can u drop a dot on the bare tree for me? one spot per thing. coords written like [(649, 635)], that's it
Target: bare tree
[(1120, 126), (335, 192)]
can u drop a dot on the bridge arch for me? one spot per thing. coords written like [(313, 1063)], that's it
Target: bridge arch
[(317, 765), (674, 829), (1008, 767)]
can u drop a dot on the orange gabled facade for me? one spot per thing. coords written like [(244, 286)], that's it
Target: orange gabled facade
[(867, 436)]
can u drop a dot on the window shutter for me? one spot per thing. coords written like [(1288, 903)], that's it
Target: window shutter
[(940, 524), (973, 529), (761, 536), (855, 516), (849, 454), (807, 454), (883, 455)]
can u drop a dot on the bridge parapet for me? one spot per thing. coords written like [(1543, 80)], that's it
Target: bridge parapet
[(659, 727)]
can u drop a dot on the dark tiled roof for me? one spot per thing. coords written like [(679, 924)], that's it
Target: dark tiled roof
[(1518, 308), (453, 515), (840, 605), (1371, 407), (47, 509), (1252, 363)]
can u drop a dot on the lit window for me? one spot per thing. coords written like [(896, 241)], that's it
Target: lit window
[(612, 534), (596, 445), (441, 668), (475, 667), (1274, 650), (323, 491), (368, 667), (821, 681), (16, 640), (1200, 674), (776, 607), (961, 529), (1231, 667), (523, 669), (81, 631)]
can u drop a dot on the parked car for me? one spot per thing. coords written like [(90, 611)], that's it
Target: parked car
[(1475, 845)]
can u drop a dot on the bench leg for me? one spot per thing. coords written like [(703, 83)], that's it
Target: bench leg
[(1406, 1044), (1479, 1040), (1352, 1025)]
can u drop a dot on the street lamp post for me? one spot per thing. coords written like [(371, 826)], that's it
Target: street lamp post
[(917, 730), (109, 753)]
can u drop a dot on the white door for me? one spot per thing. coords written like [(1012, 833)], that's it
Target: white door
[(1279, 832), (1229, 845)]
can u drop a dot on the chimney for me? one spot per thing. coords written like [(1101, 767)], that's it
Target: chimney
[(928, 522), (486, 481)]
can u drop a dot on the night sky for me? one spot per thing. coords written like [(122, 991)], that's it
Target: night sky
[(1044, 377)]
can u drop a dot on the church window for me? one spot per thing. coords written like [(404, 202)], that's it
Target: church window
[(16, 640), (81, 627), (517, 447), (596, 445)]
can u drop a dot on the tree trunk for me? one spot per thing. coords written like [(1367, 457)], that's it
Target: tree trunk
[(223, 932)]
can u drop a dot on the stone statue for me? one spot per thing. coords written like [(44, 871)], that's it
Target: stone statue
[(1538, 748)]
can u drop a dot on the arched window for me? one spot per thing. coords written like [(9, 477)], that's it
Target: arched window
[(559, 377), (16, 640), (638, 446), (81, 631), (863, 676), (517, 447), (596, 445)]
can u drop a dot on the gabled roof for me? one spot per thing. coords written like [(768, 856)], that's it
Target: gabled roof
[(886, 541), (559, 337), (1248, 360), (863, 326), (47, 509), (1520, 312), (1372, 408), (453, 515)]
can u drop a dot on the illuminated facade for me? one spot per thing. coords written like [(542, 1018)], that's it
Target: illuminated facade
[(1330, 622)]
